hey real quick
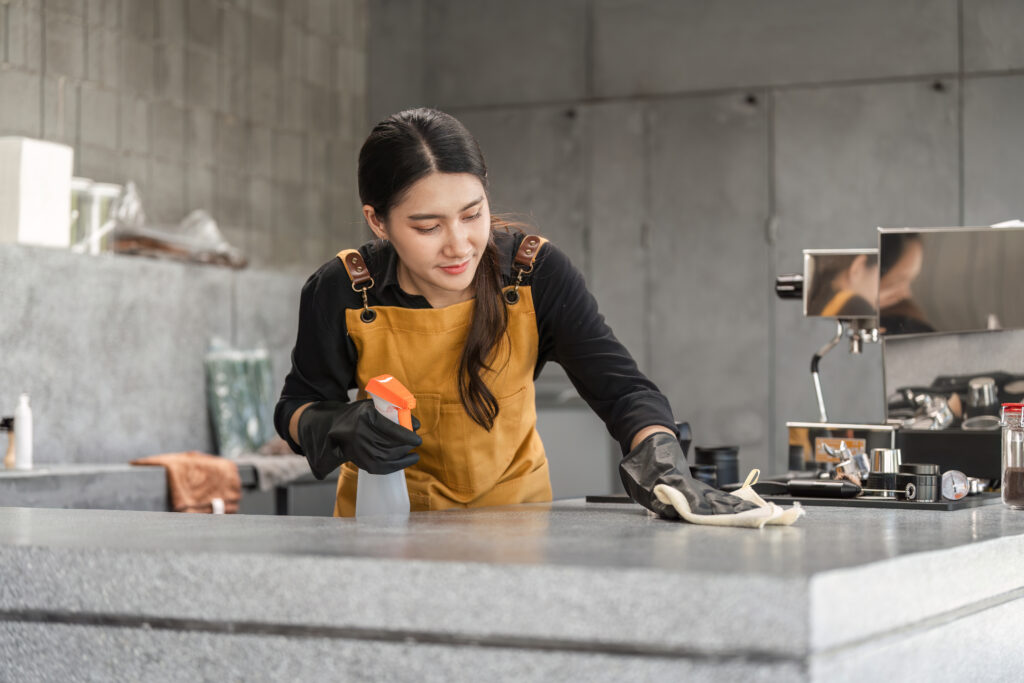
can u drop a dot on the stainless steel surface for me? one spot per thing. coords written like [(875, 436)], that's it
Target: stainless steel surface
[(981, 423), (816, 378), (851, 464), (981, 392), (937, 410), (816, 439), (829, 273), (951, 279), (915, 362), (885, 460)]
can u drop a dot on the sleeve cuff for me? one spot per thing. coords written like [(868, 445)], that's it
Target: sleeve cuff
[(635, 412)]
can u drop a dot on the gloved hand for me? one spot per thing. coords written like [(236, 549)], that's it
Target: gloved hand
[(659, 459), (334, 432)]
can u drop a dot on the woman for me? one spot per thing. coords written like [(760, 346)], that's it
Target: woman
[(464, 311)]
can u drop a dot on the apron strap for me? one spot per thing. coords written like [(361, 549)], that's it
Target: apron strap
[(523, 263), (836, 303), (357, 271)]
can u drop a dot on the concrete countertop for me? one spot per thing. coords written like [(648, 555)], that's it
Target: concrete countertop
[(85, 485), (105, 486), (569, 577)]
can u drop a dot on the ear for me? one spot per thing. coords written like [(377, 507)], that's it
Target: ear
[(374, 221)]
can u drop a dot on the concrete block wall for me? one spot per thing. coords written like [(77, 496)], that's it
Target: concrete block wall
[(684, 153), (250, 109), (110, 348)]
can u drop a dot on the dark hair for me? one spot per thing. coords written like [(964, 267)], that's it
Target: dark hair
[(399, 151), (894, 246)]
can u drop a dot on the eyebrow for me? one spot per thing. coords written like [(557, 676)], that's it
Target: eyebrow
[(426, 216)]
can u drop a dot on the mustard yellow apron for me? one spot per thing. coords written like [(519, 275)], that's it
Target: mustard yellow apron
[(461, 464), (836, 303)]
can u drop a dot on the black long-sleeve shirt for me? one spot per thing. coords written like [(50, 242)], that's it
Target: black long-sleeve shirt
[(571, 332)]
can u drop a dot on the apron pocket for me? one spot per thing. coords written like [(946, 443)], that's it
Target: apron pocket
[(428, 407), (473, 458)]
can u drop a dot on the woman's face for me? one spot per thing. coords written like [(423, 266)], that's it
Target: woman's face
[(862, 278), (895, 285), (439, 230)]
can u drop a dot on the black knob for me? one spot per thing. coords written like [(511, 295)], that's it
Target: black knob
[(790, 286)]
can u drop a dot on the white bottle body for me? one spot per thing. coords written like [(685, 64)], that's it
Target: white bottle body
[(382, 495), (23, 434)]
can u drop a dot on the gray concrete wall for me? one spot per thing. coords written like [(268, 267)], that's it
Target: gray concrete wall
[(251, 109), (110, 348), (684, 153)]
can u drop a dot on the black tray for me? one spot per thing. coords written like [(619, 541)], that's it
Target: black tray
[(864, 502), (974, 501)]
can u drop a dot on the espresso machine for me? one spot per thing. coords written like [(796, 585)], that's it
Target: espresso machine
[(947, 307), (841, 284)]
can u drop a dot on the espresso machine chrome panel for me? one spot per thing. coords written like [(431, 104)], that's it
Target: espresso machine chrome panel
[(945, 280), (840, 283), (951, 319)]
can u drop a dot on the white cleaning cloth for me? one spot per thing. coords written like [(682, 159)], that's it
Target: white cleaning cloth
[(766, 513)]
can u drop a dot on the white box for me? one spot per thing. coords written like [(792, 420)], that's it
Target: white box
[(35, 192)]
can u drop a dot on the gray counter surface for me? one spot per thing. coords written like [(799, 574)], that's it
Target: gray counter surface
[(561, 583)]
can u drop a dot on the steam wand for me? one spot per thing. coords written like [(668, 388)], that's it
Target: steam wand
[(859, 335)]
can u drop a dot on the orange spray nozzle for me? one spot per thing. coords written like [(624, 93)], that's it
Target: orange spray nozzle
[(388, 389)]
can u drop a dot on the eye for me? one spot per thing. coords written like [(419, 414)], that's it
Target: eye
[(474, 216), (425, 231)]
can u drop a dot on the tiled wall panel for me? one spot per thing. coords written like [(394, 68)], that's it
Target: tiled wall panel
[(396, 50), (492, 51), (993, 150), (710, 269), (536, 169), (618, 220), (863, 127), (651, 46), (848, 160), (146, 89), (992, 40), (110, 350)]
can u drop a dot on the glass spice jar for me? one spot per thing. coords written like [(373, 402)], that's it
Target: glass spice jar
[(1012, 419)]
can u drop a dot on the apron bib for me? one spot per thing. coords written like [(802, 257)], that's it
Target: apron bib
[(461, 464)]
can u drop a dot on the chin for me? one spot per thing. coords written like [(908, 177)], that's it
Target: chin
[(460, 284)]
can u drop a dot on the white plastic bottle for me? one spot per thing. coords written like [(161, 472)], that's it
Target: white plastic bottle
[(385, 495), (23, 434)]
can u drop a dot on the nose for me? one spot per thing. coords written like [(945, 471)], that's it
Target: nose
[(457, 245)]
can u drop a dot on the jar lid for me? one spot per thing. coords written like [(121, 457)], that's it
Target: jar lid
[(1013, 407)]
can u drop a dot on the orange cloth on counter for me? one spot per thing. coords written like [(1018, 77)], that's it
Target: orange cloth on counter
[(194, 479)]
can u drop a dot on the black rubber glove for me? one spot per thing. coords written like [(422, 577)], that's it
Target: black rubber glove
[(659, 459), (334, 432)]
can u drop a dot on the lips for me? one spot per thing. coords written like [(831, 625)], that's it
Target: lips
[(456, 269)]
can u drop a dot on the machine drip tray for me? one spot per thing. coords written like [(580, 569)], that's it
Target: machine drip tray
[(974, 501)]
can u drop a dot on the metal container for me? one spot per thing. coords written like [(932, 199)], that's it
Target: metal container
[(981, 394), (886, 460), (724, 458)]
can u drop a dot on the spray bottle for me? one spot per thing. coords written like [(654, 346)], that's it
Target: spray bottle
[(23, 434), (386, 494)]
